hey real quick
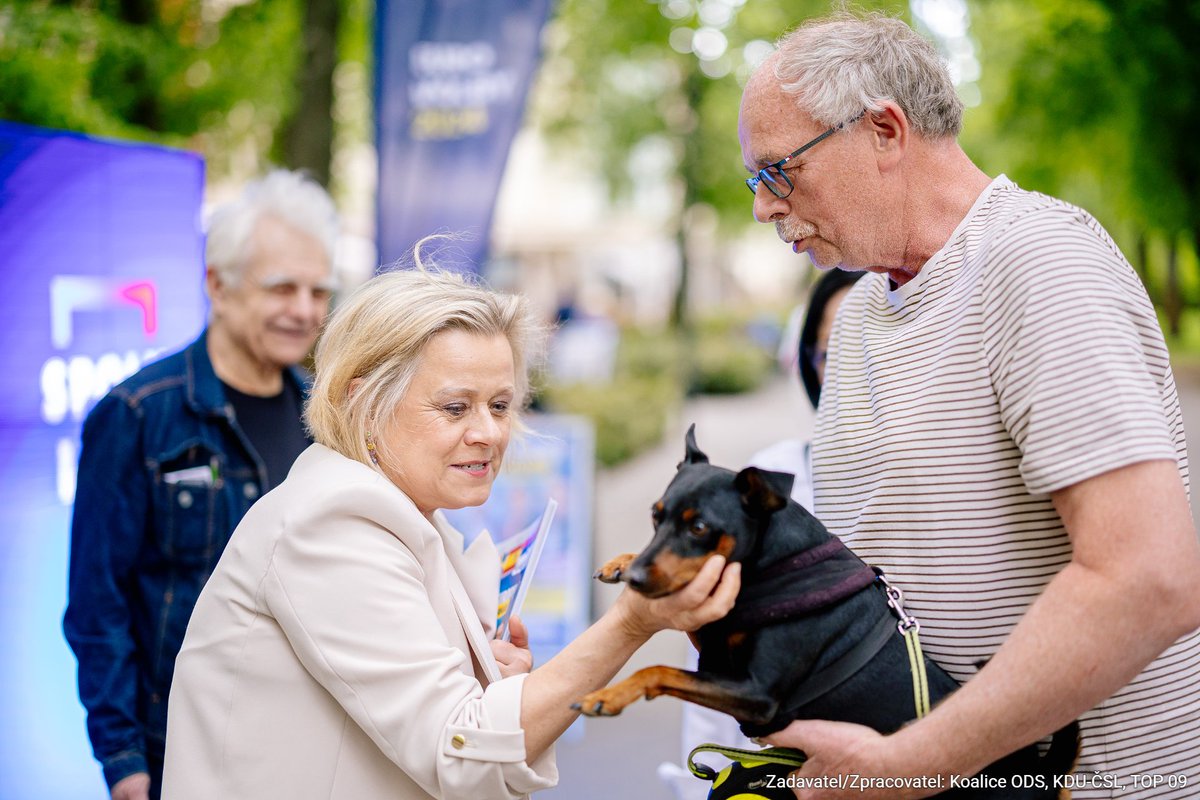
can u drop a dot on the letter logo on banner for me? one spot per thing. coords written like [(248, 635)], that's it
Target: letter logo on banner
[(450, 92), (72, 293)]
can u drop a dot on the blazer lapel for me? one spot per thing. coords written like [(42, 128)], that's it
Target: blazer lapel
[(480, 568)]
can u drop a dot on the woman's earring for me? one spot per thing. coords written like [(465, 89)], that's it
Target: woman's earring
[(371, 449)]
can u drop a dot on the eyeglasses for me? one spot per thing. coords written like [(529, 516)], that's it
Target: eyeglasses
[(774, 178)]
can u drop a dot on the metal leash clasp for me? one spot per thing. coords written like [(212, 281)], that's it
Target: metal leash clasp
[(895, 601)]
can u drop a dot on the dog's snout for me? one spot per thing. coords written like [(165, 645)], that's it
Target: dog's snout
[(638, 577)]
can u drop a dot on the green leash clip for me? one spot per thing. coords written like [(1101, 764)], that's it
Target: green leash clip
[(752, 775)]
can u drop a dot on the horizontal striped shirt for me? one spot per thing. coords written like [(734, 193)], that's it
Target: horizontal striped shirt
[(1023, 358)]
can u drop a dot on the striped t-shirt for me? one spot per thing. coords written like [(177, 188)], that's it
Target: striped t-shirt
[(1023, 358)]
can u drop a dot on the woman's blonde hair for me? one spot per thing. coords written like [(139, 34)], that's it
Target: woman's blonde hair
[(375, 339)]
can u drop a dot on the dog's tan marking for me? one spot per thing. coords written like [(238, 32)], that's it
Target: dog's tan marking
[(735, 640), (653, 681), (689, 514), (669, 573)]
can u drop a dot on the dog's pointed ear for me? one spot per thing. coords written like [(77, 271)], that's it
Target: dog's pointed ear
[(692, 454), (763, 492)]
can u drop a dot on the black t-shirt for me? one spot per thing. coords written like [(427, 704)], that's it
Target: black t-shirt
[(274, 427)]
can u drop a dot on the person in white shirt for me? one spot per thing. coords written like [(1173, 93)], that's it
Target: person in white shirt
[(999, 427)]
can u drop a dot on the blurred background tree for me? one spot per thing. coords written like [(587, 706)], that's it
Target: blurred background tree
[(1095, 101), (242, 82), (1089, 100), (623, 77)]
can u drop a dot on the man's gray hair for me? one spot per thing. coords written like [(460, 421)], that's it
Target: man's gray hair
[(291, 197), (836, 66)]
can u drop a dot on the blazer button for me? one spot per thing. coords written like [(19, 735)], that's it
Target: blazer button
[(250, 491), (459, 741), (185, 499)]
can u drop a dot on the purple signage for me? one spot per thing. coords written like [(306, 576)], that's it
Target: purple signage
[(101, 269)]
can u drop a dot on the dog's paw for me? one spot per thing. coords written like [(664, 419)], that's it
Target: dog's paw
[(598, 704), (615, 569)]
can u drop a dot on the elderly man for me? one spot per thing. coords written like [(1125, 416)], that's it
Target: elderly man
[(174, 456), (999, 428)]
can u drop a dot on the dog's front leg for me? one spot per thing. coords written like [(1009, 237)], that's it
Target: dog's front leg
[(742, 700)]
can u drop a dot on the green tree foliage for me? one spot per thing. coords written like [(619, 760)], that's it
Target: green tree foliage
[(620, 74), (217, 77), (1095, 100)]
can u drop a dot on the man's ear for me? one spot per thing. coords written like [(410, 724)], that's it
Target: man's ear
[(214, 284), (763, 492), (889, 134)]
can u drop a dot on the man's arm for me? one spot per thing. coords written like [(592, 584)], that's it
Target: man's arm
[(1127, 594), (111, 504)]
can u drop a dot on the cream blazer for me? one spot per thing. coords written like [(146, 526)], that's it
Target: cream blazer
[(340, 651)]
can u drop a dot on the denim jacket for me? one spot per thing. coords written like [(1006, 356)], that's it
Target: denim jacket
[(165, 475)]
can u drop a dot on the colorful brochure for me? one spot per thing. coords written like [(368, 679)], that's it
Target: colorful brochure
[(519, 556)]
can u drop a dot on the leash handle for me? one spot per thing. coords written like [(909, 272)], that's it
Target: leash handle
[(784, 756)]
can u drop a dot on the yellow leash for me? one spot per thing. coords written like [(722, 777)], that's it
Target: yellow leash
[(910, 629), (916, 664)]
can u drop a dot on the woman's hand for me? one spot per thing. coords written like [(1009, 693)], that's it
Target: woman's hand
[(513, 656), (706, 599)]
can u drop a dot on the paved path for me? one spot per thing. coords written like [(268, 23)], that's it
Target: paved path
[(617, 758)]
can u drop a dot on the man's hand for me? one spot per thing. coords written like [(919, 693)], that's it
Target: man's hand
[(702, 601), (843, 749), (132, 787), (513, 656)]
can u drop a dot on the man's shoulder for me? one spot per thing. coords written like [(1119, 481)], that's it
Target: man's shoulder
[(165, 375), (1034, 235), (1020, 212)]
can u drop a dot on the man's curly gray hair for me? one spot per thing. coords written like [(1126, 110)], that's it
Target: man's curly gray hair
[(836, 66)]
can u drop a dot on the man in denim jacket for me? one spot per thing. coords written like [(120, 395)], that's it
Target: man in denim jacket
[(174, 456)]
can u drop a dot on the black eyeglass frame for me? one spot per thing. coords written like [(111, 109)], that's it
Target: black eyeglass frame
[(767, 174)]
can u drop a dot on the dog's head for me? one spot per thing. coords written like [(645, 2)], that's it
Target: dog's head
[(706, 510)]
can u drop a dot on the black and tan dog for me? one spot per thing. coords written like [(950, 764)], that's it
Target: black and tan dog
[(812, 634)]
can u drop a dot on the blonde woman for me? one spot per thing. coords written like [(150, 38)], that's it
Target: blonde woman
[(342, 647)]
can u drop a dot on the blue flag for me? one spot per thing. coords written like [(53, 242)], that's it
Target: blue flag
[(451, 82)]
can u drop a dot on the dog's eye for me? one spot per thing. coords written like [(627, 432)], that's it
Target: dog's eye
[(698, 529)]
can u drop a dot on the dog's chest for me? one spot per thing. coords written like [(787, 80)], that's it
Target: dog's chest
[(725, 652)]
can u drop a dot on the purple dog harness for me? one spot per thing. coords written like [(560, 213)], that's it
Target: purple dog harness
[(815, 579), (799, 585)]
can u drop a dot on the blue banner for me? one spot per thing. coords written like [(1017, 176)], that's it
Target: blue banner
[(450, 88), (101, 269)]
